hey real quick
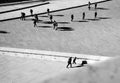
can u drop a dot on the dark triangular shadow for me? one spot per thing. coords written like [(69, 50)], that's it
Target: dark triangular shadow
[(65, 29), (63, 22), (95, 19), (45, 26), (4, 32), (59, 15), (47, 22), (101, 8), (104, 18), (29, 19), (81, 21)]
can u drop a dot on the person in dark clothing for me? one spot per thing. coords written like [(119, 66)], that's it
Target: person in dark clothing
[(31, 12), (56, 26), (48, 11), (74, 60), (84, 62), (36, 17), (54, 23), (51, 17), (72, 17), (95, 5), (35, 22), (89, 5), (83, 16), (95, 14), (23, 15), (69, 62)]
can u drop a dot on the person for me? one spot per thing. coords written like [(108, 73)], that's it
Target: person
[(84, 62), (69, 62), (36, 17), (35, 22), (89, 4), (54, 24), (74, 60), (23, 15), (95, 14), (48, 11), (83, 16), (51, 17), (72, 17), (95, 5), (31, 12)]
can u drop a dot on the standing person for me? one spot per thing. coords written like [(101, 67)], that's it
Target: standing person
[(95, 15), (48, 11), (35, 22), (31, 12), (36, 17), (51, 17), (89, 5), (83, 16), (23, 15), (69, 62), (72, 17), (54, 24), (95, 5), (74, 60)]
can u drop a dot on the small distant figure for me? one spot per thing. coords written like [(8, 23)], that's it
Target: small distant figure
[(36, 17), (84, 62), (35, 22), (74, 60), (95, 5), (83, 17), (95, 15), (89, 5), (72, 17), (69, 62), (48, 11), (31, 12), (22, 16), (54, 24), (51, 18)]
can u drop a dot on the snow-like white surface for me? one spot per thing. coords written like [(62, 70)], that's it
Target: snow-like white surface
[(54, 5)]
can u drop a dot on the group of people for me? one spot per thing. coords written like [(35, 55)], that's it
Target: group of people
[(72, 60), (84, 14)]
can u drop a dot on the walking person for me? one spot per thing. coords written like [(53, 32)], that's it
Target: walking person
[(95, 15), (74, 60), (48, 11), (31, 12), (83, 17), (89, 5), (35, 22), (72, 17), (54, 24), (51, 17), (23, 15), (95, 5), (69, 62), (36, 17)]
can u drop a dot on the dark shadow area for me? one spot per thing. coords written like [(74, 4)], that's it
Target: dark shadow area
[(47, 22), (28, 19), (24, 8), (101, 8), (21, 2), (81, 21), (4, 32), (43, 16), (65, 28), (96, 19), (104, 18), (45, 26), (58, 15), (63, 22), (77, 66)]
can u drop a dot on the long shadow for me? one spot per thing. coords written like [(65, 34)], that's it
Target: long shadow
[(63, 22), (44, 16), (104, 18), (101, 8), (77, 66), (4, 32), (46, 22), (65, 29), (45, 26), (94, 19), (81, 21), (24, 7), (59, 15), (22, 2), (55, 10)]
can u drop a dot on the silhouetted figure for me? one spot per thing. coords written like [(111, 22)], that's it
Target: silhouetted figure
[(31, 12), (83, 16), (74, 60), (95, 14), (95, 5), (54, 24), (69, 62), (72, 17), (83, 62), (36, 17), (48, 11), (51, 17), (35, 22), (89, 5), (23, 15)]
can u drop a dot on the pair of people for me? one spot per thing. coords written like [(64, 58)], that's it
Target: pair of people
[(70, 61)]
